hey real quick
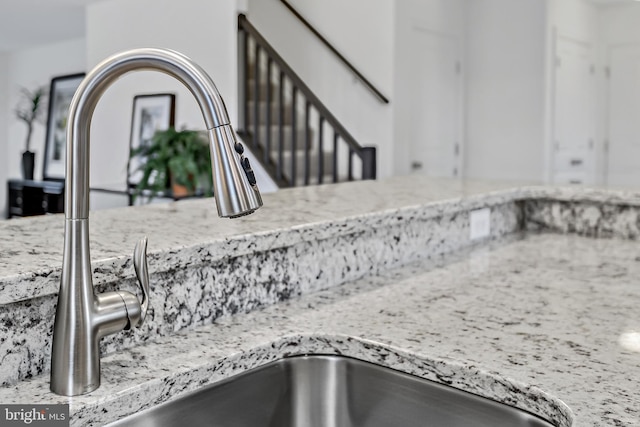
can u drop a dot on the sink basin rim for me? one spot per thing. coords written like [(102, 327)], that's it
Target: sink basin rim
[(292, 359)]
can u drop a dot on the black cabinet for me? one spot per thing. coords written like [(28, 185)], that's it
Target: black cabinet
[(28, 198)]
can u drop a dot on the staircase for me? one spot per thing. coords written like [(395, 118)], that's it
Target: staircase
[(297, 139)]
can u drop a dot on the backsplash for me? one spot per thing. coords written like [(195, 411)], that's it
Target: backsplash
[(585, 218)]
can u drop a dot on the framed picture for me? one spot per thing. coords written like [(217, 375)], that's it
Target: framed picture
[(62, 90), (151, 113)]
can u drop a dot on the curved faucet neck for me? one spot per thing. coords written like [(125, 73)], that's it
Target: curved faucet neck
[(82, 317), (91, 89)]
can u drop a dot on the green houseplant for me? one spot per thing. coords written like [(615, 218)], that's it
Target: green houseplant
[(176, 159), (29, 110)]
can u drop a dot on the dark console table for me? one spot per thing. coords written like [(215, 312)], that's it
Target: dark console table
[(29, 198)]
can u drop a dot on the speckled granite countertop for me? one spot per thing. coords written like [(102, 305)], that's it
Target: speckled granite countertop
[(31, 248), (529, 322), (543, 322)]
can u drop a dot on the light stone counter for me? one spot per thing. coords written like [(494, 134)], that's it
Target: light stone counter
[(31, 249), (535, 323)]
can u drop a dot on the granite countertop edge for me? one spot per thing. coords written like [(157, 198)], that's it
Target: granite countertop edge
[(44, 281), (119, 397)]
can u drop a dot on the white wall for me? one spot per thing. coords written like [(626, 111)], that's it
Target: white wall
[(505, 71), (438, 16), (365, 39), (31, 68), (4, 115), (367, 44), (577, 19), (203, 30), (620, 31), (620, 24)]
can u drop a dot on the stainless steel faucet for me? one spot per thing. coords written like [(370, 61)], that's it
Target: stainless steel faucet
[(82, 317)]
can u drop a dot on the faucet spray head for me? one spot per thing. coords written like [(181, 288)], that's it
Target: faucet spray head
[(234, 184)]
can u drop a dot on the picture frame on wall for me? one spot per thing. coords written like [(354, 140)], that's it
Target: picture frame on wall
[(151, 113), (61, 92)]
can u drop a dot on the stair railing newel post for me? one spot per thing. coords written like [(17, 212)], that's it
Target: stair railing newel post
[(335, 155), (350, 165), (368, 163)]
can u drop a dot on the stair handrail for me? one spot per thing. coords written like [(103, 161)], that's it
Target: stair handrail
[(245, 25), (337, 53)]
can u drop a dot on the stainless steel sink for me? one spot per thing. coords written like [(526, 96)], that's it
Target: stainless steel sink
[(330, 391)]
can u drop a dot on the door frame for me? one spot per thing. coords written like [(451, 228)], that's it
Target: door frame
[(458, 43)]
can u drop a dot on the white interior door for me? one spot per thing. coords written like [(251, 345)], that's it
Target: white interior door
[(574, 113), (623, 155), (435, 112)]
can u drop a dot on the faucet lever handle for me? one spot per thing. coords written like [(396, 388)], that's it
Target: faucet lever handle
[(142, 273)]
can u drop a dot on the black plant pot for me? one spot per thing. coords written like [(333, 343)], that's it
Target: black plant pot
[(28, 160)]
